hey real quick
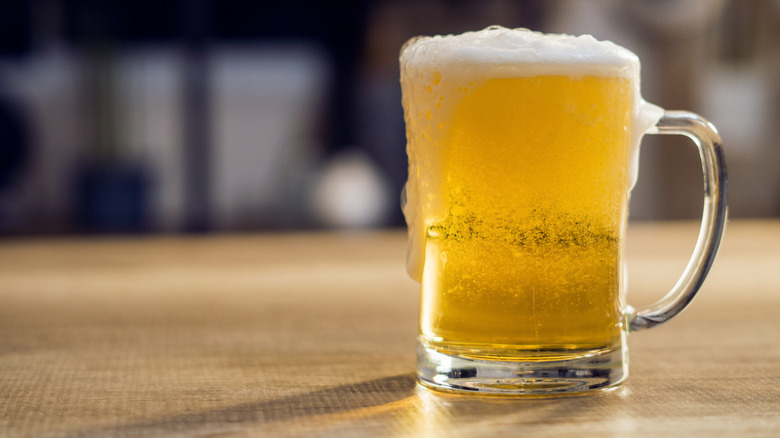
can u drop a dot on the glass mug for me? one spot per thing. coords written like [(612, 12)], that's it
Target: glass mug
[(523, 148)]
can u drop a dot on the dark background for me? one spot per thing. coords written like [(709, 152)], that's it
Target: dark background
[(206, 115)]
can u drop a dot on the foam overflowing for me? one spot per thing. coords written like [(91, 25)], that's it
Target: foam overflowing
[(530, 52), (497, 52), (500, 52)]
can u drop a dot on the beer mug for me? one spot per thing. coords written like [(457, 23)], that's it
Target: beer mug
[(523, 148)]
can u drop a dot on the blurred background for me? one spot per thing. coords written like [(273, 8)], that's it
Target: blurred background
[(225, 115)]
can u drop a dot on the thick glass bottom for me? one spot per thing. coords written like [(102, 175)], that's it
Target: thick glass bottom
[(562, 372)]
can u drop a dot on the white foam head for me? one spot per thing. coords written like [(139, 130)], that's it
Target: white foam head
[(531, 52)]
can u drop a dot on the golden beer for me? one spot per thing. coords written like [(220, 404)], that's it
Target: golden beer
[(519, 184), (524, 249)]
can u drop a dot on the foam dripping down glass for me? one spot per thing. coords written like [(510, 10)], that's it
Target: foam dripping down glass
[(523, 148)]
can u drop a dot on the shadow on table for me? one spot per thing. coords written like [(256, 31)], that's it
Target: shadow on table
[(330, 401), (393, 405)]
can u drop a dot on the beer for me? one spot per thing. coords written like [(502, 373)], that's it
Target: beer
[(519, 174)]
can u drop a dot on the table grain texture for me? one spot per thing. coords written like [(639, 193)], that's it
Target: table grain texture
[(313, 334)]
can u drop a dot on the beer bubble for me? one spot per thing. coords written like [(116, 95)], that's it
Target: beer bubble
[(436, 77), (436, 232)]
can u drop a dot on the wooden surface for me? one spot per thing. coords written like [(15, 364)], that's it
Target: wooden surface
[(314, 335)]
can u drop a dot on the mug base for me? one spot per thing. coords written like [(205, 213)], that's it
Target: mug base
[(599, 370)]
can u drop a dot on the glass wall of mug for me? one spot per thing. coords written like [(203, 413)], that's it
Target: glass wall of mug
[(520, 171)]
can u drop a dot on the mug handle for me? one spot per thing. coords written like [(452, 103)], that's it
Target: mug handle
[(713, 222)]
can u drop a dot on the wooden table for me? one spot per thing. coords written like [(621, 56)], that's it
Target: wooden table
[(314, 335)]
